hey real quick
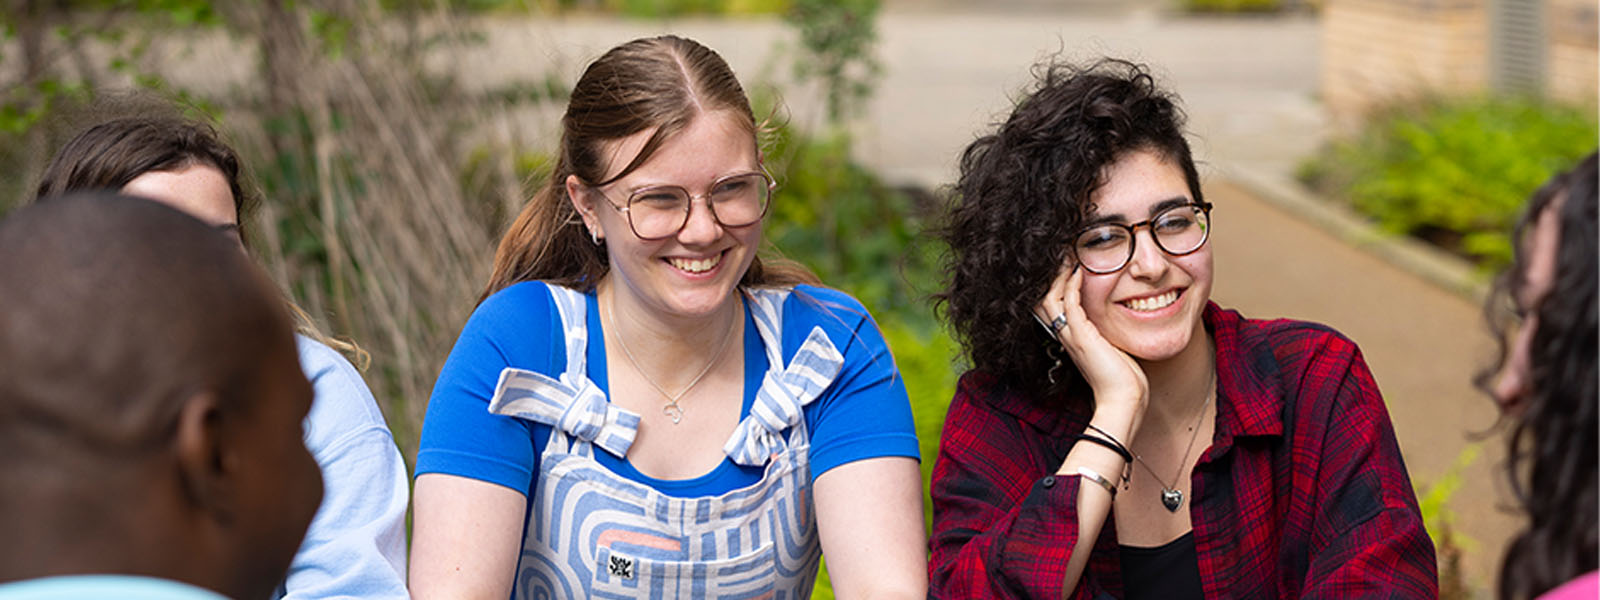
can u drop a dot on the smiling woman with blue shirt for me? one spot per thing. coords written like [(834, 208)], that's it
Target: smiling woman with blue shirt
[(643, 407)]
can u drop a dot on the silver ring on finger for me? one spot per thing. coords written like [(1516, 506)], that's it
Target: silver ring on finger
[(1058, 323)]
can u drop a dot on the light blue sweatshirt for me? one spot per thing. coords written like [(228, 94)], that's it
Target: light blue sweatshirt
[(356, 546)]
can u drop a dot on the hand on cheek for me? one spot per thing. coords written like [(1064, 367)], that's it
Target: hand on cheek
[(1114, 376)]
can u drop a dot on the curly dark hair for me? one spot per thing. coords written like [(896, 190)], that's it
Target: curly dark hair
[(1023, 191), (1553, 445)]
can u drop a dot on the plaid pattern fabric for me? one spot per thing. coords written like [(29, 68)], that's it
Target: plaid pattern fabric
[(1301, 494)]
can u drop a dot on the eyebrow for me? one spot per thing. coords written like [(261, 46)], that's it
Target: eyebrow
[(1155, 209), (651, 186)]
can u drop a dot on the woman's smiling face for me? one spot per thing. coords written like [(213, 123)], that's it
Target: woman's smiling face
[(1151, 307), (693, 273)]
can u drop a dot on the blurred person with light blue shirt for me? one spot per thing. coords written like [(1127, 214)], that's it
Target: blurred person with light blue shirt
[(356, 546)]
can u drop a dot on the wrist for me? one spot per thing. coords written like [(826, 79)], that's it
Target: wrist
[(1118, 421)]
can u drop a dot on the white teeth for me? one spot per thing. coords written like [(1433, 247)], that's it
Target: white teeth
[(1153, 302), (700, 265)]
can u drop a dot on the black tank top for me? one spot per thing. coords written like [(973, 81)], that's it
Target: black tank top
[(1167, 572)]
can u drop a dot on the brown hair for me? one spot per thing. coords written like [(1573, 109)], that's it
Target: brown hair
[(110, 154), (659, 83)]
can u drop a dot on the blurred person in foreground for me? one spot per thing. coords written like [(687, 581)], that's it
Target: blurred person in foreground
[(1144, 442), (356, 547), (150, 408), (1545, 385), (641, 406)]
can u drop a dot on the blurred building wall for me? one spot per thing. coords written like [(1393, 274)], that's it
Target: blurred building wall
[(1375, 52), (1573, 58)]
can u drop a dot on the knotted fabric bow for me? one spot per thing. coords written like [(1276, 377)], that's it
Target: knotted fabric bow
[(572, 404), (782, 395)]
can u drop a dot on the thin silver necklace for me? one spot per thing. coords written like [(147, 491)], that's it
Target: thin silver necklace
[(1171, 496), (671, 409)]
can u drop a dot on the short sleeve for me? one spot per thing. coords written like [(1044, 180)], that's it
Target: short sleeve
[(865, 413), (516, 327), (356, 545)]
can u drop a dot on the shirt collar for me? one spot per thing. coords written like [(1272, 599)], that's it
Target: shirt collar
[(1247, 376)]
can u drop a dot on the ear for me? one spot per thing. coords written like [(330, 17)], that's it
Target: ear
[(581, 201), (203, 463)]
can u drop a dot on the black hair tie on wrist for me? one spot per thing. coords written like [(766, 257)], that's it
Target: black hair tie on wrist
[(1112, 444)]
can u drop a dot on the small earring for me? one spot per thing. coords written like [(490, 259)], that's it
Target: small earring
[(1051, 374), (594, 236)]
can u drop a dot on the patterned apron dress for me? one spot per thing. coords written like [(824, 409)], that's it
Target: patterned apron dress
[(593, 534)]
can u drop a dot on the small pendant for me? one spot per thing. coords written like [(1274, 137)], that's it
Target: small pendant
[(673, 412), (1171, 499)]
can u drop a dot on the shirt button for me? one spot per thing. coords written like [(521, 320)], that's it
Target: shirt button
[(1049, 481)]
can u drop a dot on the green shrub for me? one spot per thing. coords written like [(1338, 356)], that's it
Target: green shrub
[(851, 229), (1232, 6), (1455, 173)]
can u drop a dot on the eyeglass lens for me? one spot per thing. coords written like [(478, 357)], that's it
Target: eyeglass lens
[(735, 201), (1177, 231)]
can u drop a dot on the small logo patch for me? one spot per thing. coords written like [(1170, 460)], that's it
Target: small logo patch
[(620, 567)]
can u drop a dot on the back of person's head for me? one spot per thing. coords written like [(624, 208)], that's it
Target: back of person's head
[(150, 401), (112, 153), (656, 84), (1026, 187), (1548, 385)]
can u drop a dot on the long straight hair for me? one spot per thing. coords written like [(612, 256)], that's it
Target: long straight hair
[(660, 83)]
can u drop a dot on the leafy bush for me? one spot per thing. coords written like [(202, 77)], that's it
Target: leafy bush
[(1455, 173), (1232, 6), (855, 232)]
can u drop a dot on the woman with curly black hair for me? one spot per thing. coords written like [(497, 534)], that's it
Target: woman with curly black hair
[(1143, 443), (1546, 385)]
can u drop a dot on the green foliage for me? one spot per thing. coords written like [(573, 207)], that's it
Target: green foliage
[(639, 9), (1434, 501), (1457, 172), (1232, 6), (836, 39), (856, 233)]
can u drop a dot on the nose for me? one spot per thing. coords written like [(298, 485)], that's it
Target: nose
[(1148, 261), (1508, 387), (702, 227), (1511, 383)]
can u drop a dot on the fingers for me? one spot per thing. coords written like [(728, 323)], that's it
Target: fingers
[(1054, 304)]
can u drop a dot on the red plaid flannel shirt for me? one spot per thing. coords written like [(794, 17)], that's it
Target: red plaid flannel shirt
[(1302, 493)]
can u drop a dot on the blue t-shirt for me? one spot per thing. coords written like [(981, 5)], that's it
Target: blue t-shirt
[(864, 414)]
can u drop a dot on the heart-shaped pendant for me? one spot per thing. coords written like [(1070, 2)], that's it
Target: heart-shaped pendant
[(1172, 499), (673, 412)]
